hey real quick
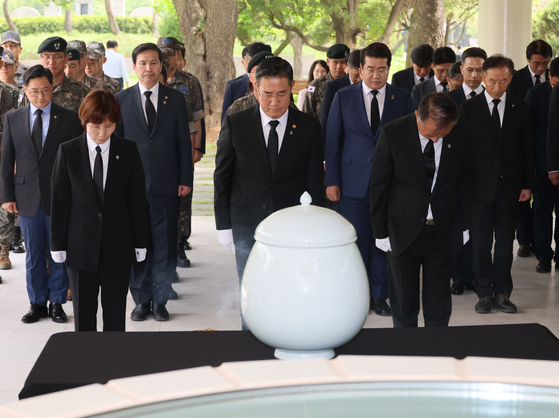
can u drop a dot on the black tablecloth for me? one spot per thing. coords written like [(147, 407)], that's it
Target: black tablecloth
[(71, 360)]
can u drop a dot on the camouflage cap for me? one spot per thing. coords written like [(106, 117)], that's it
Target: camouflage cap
[(79, 45), (257, 59), (95, 50), (53, 44), (169, 44), (10, 36), (74, 54), (337, 51), (8, 57)]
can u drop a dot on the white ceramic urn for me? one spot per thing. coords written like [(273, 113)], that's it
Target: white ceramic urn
[(304, 289)]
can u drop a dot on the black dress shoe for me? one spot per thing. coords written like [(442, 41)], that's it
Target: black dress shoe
[(17, 246), (523, 251), (544, 265), (187, 246), (160, 312), (471, 285), (57, 313), (182, 260), (140, 312), (457, 288), (503, 303), (35, 313), (173, 295), (176, 277), (381, 307), (0, 280), (484, 305)]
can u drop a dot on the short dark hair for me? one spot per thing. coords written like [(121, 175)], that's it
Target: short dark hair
[(498, 61), (252, 49), (37, 71), (112, 43), (439, 107), (376, 50), (474, 52), (354, 59), (99, 106), (422, 55), (443, 55), (148, 46), (313, 66), (554, 68), (274, 67), (539, 47), (454, 71)]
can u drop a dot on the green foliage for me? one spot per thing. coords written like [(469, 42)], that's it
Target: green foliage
[(169, 26), (546, 24)]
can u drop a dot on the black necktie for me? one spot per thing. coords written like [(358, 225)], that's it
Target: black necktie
[(473, 94), (429, 159), (150, 111), (375, 113), (98, 176), (422, 79), (538, 81), (37, 131), (273, 144), (495, 116), (445, 86)]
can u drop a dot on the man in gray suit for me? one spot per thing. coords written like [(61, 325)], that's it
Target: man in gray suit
[(443, 58)]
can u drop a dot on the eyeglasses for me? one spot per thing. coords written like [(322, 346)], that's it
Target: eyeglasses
[(269, 95), (380, 71), (48, 58), (36, 93)]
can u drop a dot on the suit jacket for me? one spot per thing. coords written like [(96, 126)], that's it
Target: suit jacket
[(538, 101), (510, 155), (553, 132), (400, 192), (332, 87), (80, 225), (351, 143), (421, 90), (236, 88), (166, 151), (30, 187), (522, 82), (245, 189), (405, 79)]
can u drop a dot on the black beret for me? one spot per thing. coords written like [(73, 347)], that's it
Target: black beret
[(74, 54), (338, 51), (257, 59), (53, 44)]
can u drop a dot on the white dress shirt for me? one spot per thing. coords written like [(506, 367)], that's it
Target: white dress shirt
[(154, 96), (91, 145), (115, 66), (280, 129), (417, 80), (45, 116), (368, 97), (438, 148), (438, 87), (468, 90), (500, 108), (533, 76)]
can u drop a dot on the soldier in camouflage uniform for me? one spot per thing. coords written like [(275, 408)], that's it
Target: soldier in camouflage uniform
[(11, 41), (315, 92), (94, 67), (73, 70)]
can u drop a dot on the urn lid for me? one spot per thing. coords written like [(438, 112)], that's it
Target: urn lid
[(305, 226)]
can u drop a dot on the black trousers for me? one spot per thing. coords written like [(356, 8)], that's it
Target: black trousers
[(85, 292), (525, 228), (429, 254), (495, 219), (546, 198)]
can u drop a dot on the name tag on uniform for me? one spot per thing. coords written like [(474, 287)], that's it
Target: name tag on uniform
[(310, 89)]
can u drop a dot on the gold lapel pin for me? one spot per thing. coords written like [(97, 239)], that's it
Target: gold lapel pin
[(294, 126)]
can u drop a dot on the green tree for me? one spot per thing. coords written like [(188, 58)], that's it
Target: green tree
[(67, 6), (545, 25)]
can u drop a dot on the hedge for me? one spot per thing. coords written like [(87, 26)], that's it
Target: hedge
[(84, 24)]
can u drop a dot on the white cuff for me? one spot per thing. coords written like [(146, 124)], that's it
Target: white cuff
[(466, 236), (383, 244), (225, 238), (58, 256), (141, 254)]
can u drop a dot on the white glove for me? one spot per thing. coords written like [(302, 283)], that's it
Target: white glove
[(383, 244), (141, 254), (466, 236), (58, 256), (225, 238)]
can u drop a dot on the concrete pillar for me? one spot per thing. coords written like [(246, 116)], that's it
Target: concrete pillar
[(505, 27)]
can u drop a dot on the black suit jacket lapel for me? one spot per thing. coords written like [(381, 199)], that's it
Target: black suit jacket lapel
[(162, 103), (260, 142), (416, 152), (113, 167), (136, 102), (24, 126), (54, 121), (485, 116), (85, 168), (289, 136)]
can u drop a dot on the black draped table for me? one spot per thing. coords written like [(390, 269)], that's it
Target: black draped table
[(70, 360)]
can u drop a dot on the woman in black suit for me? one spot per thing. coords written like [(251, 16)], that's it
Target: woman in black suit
[(98, 214)]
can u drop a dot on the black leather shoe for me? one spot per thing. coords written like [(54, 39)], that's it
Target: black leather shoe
[(57, 313), (471, 285), (544, 265), (17, 246), (173, 295), (182, 260), (524, 251), (176, 277), (457, 288), (35, 313), (381, 307), (0, 280), (503, 303), (187, 246), (140, 312), (160, 312), (484, 305)]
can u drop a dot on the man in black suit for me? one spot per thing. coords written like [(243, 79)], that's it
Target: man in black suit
[(420, 71), (155, 117), (505, 169), (267, 157), (426, 159), (538, 55), (443, 58), (471, 69), (32, 135)]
